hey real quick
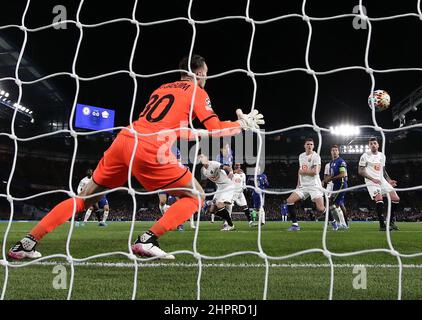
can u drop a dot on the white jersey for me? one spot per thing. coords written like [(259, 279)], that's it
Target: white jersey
[(374, 164), (216, 174), (308, 162), (83, 183), (239, 180)]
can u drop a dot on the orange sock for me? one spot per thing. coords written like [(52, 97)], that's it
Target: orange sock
[(59, 215), (178, 213)]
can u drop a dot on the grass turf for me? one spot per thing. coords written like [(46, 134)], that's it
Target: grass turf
[(238, 277)]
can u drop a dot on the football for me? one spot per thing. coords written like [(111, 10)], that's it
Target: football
[(380, 99)]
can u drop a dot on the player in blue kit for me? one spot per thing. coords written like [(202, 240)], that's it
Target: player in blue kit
[(284, 211), (338, 176), (262, 182), (225, 156)]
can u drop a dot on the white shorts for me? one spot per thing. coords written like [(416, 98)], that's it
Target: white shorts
[(306, 192), (383, 189), (239, 199), (224, 196)]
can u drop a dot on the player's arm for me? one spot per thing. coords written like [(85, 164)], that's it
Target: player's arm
[(228, 170), (311, 172), (362, 172), (243, 181), (210, 120), (389, 180), (341, 175)]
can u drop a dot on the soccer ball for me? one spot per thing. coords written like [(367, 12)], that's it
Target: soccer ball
[(381, 100)]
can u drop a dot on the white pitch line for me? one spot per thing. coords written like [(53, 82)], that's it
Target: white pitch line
[(224, 265)]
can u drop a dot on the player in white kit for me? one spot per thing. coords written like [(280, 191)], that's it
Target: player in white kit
[(239, 179), (221, 175), (378, 183), (308, 183)]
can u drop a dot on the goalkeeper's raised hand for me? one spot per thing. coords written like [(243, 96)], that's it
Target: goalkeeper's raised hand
[(251, 120)]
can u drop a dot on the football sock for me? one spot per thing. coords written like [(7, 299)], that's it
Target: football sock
[(344, 211), (379, 208), (147, 237), (105, 215), (333, 214), (394, 208), (87, 214), (340, 215), (262, 214), (247, 214), (57, 216), (212, 217), (224, 214), (292, 212), (177, 214), (161, 207)]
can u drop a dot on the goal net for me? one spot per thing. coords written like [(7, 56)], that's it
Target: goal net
[(202, 261)]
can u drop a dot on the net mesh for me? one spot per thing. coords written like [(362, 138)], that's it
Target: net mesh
[(260, 134)]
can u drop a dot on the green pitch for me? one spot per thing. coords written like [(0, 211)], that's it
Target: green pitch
[(239, 277)]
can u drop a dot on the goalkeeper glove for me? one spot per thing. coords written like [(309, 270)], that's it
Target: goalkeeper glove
[(250, 120)]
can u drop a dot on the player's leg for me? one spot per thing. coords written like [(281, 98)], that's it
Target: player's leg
[(61, 213), (162, 204), (261, 209), (344, 210), (88, 214), (292, 211), (339, 205), (187, 204), (106, 211), (395, 201), (111, 172), (240, 200), (320, 206), (223, 213), (379, 209)]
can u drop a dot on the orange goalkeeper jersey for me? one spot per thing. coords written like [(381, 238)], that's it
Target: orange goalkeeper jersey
[(169, 107)]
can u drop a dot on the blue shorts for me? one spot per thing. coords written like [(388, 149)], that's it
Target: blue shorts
[(171, 199), (338, 198), (103, 201), (256, 199)]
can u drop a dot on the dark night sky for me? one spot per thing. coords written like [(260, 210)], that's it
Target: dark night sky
[(285, 99)]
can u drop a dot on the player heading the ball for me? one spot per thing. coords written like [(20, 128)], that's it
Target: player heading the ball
[(168, 108)]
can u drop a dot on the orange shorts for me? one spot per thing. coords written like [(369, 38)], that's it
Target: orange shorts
[(154, 165)]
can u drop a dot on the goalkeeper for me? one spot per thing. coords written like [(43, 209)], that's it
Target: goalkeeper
[(154, 165)]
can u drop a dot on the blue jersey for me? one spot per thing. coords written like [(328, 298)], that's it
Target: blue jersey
[(262, 181), (336, 167)]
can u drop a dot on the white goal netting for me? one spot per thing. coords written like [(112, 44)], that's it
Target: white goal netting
[(267, 259)]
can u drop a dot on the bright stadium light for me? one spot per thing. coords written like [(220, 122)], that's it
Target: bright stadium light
[(2, 92), (345, 130), (7, 94)]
